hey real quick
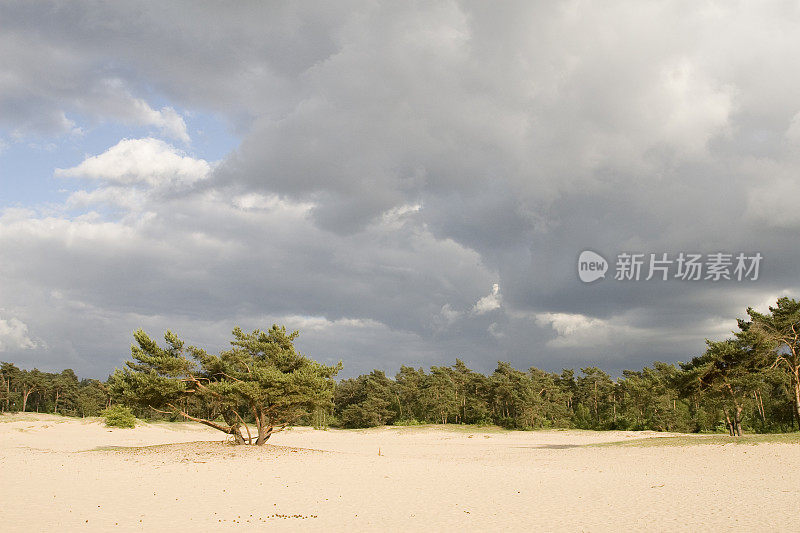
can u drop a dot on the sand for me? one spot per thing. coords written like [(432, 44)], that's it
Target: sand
[(69, 474)]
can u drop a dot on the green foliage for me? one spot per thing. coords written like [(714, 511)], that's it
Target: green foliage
[(773, 340), (650, 399), (62, 393), (748, 383), (408, 422), (320, 419), (261, 377), (119, 416), (366, 401), (91, 398), (740, 384)]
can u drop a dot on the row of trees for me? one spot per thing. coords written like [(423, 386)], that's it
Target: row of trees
[(63, 393), (750, 382), (663, 397)]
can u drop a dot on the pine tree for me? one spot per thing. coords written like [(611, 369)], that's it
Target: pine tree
[(775, 339), (261, 377)]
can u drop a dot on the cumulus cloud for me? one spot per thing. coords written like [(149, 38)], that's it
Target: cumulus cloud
[(488, 303), (46, 86), (212, 256), (169, 122), (398, 160), (577, 330), (448, 315), (14, 335), (148, 160)]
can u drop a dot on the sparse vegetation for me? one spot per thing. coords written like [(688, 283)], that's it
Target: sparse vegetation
[(700, 440), (119, 416)]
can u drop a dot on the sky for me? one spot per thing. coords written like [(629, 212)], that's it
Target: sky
[(403, 183)]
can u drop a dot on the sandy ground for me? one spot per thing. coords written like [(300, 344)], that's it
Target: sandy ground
[(70, 474)]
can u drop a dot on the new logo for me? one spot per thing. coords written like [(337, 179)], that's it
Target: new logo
[(591, 266)]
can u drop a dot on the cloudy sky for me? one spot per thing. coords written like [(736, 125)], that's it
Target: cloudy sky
[(404, 184)]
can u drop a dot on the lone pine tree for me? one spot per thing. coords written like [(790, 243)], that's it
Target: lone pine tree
[(262, 376), (775, 337)]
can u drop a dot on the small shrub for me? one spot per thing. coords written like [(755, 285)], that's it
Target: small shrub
[(119, 416), (721, 427), (408, 422)]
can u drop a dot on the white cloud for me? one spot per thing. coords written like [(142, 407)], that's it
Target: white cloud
[(110, 98), (620, 333), (489, 302), (397, 215), (316, 323), (124, 197), (220, 256), (770, 301), (264, 202), (401, 158), (577, 330), (167, 120), (14, 335), (147, 160), (448, 315), (689, 107)]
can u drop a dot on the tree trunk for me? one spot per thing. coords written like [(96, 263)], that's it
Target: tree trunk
[(736, 425), (235, 428), (399, 406), (762, 413), (264, 433), (795, 415), (796, 379), (614, 398), (729, 422), (237, 435), (25, 399), (738, 419)]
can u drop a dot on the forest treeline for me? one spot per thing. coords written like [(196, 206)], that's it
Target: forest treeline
[(750, 382), (47, 392)]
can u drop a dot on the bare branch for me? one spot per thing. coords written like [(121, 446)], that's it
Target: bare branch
[(209, 423)]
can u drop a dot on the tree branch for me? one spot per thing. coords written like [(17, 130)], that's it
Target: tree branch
[(249, 438), (209, 423)]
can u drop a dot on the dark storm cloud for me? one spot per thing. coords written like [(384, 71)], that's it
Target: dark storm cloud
[(397, 161)]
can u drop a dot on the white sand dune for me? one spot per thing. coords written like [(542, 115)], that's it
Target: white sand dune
[(67, 474)]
